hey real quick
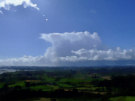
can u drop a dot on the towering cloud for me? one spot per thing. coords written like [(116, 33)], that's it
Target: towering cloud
[(64, 43), (75, 48), (6, 4)]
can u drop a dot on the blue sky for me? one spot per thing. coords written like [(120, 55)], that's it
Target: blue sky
[(21, 28)]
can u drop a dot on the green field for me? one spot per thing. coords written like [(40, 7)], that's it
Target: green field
[(80, 84), (122, 98)]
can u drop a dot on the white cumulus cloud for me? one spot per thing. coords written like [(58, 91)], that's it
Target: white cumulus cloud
[(6, 4), (64, 43), (75, 48), (100, 55)]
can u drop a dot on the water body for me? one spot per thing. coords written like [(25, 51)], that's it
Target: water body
[(7, 70)]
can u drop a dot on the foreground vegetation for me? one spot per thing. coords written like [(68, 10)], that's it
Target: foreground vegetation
[(69, 84)]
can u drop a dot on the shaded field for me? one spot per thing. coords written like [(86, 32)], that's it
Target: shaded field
[(67, 84), (122, 98)]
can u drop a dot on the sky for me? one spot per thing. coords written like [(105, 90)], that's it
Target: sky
[(67, 32)]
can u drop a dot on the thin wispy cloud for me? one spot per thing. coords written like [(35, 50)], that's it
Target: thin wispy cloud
[(46, 19)]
